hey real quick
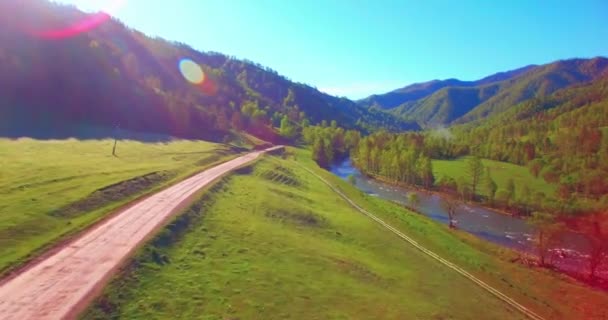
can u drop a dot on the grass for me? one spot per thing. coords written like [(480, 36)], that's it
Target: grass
[(501, 172), (274, 242), (49, 189), (551, 294)]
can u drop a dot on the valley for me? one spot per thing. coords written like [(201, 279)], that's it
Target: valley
[(274, 241), (449, 165)]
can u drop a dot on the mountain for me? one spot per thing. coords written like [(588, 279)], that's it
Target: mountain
[(561, 137), (453, 101), (54, 76), (417, 91)]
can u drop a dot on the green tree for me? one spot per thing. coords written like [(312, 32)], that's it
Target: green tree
[(425, 169), (463, 188), (319, 153), (474, 171), (490, 186), (413, 199), (510, 191), (287, 129)]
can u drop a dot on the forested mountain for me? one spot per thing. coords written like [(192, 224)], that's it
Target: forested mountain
[(417, 91), (561, 138), (111, 75), (454, 101)]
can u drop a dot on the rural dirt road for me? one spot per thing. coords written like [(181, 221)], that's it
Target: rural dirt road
[(61, 285)]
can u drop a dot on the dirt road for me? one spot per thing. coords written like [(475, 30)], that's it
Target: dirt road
[(61, 285)]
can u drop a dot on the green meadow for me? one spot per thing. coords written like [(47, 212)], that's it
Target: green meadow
[(501, 172), (49, 189), (274, 242)]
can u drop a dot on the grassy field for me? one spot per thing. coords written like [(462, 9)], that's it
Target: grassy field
[(51, 188), (501, 172), (276, 243)]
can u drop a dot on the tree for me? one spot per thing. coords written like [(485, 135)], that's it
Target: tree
[(524, 199), (545, 226), (595, 229), (318, 153), (510, 190), (425, 170), (237, 121), (474, 171), (287, 129), (502, 197), (490, 186), (535, 166), (351, 179), (450, 205), (463, 188), (413, 200)]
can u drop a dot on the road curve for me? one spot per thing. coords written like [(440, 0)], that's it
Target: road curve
[(61, 285)]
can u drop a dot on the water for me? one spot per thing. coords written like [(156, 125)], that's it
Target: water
[(499, 228)]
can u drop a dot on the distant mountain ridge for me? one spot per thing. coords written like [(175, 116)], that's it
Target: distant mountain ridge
[(445, 102)]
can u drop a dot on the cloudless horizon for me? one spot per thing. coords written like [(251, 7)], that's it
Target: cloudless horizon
[(359, 48)]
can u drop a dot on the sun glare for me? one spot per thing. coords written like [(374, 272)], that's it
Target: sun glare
[(99, 12), (191, 71)]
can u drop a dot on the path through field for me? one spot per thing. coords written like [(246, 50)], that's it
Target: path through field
[(61, 285)]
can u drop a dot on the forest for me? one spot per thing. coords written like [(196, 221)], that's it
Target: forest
[(46, 87)]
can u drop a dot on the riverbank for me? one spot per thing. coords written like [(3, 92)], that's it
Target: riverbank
[(568, 254), (443, 194)]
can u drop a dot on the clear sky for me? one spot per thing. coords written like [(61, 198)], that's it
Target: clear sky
[(358, 47)]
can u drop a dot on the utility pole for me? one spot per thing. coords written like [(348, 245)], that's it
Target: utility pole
[(116, 130)]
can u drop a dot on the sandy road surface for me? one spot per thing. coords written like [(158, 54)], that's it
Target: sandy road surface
[(61, 285)]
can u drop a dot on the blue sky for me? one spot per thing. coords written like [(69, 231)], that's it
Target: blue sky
[(358, 47)]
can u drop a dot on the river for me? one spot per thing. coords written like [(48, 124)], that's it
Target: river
[(491, 225)]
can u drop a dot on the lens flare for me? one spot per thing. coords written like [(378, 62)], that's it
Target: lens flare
[(89, 23), (191, 71), (103, 10)]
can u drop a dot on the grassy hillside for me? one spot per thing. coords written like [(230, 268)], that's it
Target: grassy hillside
[(50, 188), (274, 242), (500, 172)]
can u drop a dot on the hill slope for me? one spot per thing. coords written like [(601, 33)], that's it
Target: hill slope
[(454, 101), (112, 75)]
